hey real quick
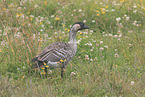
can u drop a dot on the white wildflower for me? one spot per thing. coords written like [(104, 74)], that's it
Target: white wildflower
[(118, 19), (73, 73), (52, 16), (106, 46), (125, 15), (127, 18), (91, 50), (110, 34), (135, 11), (91, 31), (101, 49), (84, 21), (135, 6), (113, 10), (93, 21), (36, 6), (101, 42), (80, 10), (91, 59), (132, 83), (119, 35), (115, 36), (116, 55)]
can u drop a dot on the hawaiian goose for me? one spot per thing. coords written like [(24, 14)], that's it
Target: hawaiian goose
[(59, 54)]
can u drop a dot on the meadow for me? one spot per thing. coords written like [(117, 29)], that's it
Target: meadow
[(110, 61)]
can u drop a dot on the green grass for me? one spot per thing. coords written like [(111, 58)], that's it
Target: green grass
[(110, 60)]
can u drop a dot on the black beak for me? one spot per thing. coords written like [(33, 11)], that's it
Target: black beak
[(86, 27)]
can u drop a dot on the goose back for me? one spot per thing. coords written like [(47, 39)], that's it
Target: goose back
[(55, 52)]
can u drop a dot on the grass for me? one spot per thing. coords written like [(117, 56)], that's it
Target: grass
[(110, 57)]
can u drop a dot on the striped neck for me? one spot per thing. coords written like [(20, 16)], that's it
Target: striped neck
[(72, 39), (72, 36)]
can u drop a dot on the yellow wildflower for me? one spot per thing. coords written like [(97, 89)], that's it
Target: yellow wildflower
[(82, 50), (80, 32), (61, 60), (122, 1), (65, 60), (10, 6), (140, 25), (68, 30), (43, 68), (21, 14), (44, 72), (63, 25), (103, 12), (40, 23), (47, 66), (17, 15), (44, 63), (57, 19), (23, 76), (4, 8), (28, 12), (138, 5), (0, 50), (12, 50), (106, 6), (45, 2), (98, 14)]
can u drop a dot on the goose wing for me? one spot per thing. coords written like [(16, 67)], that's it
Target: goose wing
[(55, 52)]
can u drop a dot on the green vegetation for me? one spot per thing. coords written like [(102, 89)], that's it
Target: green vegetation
[(110, 60)]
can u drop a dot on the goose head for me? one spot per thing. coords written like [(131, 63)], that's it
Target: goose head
[(79, 26), (74, 29)]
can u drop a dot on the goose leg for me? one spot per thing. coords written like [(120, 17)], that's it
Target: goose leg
[(62, 72), (45, 70), (38, 69)]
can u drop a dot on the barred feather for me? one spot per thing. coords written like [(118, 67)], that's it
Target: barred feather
[(58, 51), (55, 52)]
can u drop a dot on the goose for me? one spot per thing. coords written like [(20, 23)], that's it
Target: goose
[(59, 54)]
